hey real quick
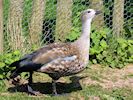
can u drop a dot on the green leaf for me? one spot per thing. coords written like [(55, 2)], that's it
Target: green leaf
[(103, 44), (113, 64), (120, 66), (105, 53), (9, 55), (16, 52), (99, 56), (94, 61), (2, 64), (109, 58), (1, 76)]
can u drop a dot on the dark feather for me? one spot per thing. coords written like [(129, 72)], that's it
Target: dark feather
[(40, 57)]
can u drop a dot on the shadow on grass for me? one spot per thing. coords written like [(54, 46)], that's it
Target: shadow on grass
[(46, 88)]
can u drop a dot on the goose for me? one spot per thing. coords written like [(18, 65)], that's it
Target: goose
[(59, 59)]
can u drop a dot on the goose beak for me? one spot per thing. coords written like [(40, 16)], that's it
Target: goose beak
[(98, 12)]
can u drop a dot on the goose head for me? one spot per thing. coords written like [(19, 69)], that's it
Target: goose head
[(89, 14)]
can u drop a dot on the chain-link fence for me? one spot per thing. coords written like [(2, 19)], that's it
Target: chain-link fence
[(29, 24)]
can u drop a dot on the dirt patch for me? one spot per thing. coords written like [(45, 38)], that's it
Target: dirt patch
[(110, 78), (94, 98)]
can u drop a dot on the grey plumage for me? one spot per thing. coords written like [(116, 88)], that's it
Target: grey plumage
[(59, 59)]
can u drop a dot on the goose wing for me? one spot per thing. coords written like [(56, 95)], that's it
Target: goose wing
[(45, 55), (62, 66)]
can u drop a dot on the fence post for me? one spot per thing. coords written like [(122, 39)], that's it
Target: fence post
[(14, 27), (37, 22), (63, 19), (98, 20), (1, 26), (118, 17)]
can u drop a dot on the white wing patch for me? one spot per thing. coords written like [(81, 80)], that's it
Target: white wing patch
[(70, 58), (57, 62)]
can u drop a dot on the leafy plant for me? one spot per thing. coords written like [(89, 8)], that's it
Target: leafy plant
[(75, 33), (110, 51), (5, 61), (76, 29)]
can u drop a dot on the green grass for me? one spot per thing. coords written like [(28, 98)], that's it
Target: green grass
[(71, 86), (87, 92)]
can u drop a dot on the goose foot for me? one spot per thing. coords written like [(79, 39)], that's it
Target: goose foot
[(31, 91), (54, 88)]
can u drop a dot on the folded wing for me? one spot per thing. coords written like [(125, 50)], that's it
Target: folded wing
[(46, 56)]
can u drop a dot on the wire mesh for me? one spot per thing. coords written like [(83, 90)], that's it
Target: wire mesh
[(29, 24)]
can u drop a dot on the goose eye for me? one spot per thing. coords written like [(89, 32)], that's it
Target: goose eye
[(89, 11)]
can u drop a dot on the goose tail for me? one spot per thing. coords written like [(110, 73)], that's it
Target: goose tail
[(14, 72)]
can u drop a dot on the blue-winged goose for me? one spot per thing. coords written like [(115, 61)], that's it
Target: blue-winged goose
[(59, 59)]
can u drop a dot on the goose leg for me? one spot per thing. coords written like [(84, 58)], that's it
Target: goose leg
[(54, 87), (30, 90), (30, 80)]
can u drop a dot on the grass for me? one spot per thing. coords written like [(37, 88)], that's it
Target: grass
[(88, 85)]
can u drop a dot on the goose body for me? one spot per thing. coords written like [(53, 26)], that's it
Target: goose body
[(59, 59)]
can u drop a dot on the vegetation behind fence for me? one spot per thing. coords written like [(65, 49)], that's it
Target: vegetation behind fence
[(25, 25)]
